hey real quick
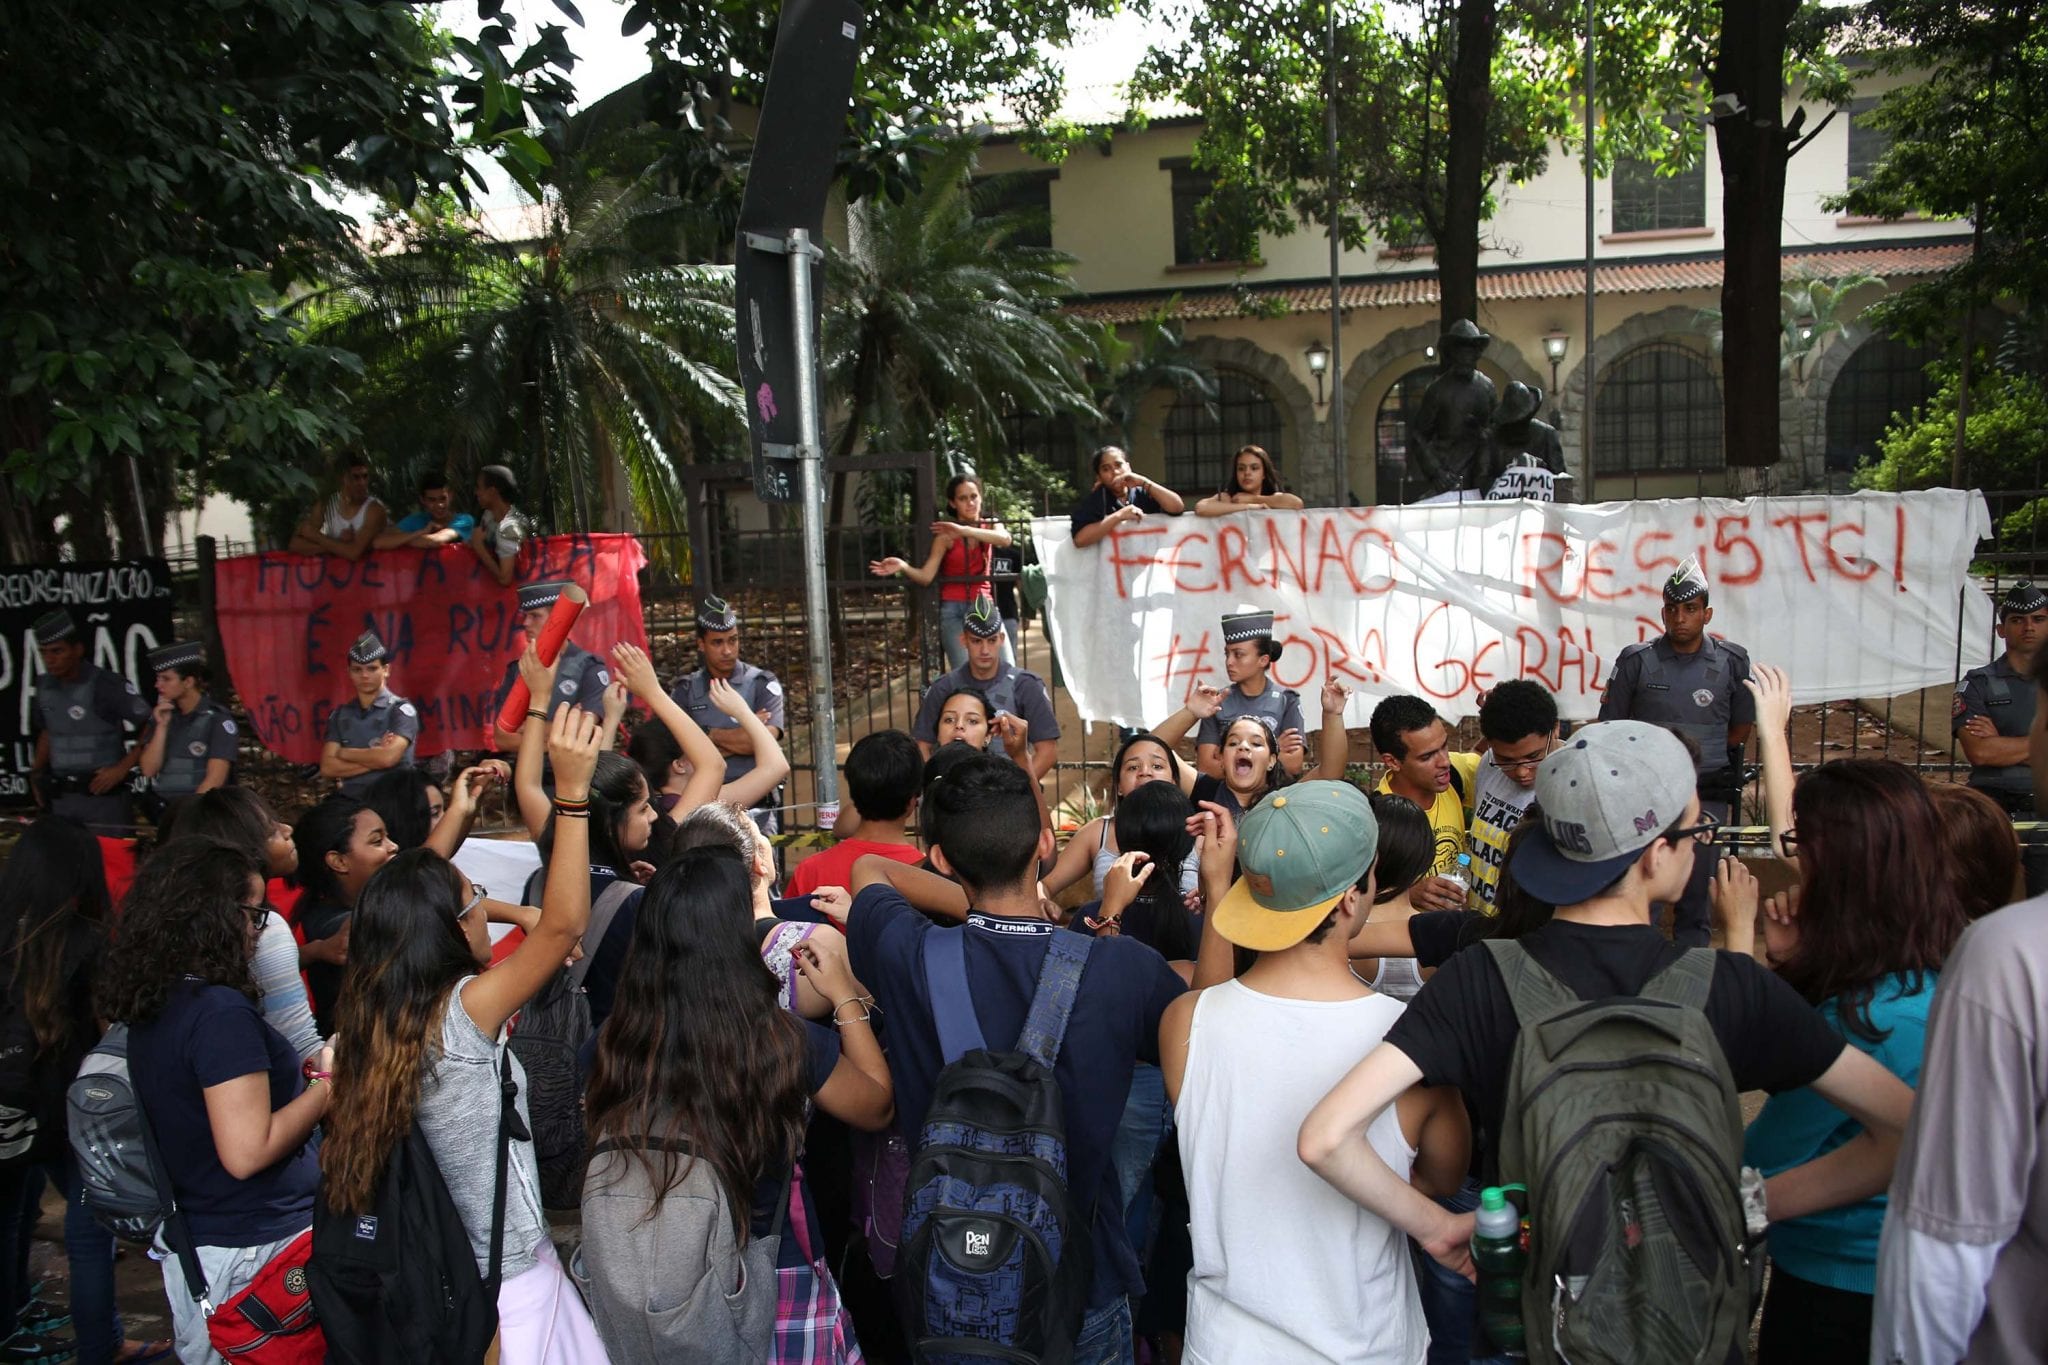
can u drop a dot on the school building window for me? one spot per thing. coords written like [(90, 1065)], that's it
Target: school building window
[(1392, 468), (1645, 201), (1882, 382), (1191, 240), (1658, 410), (1867, 145), (1024, 195), (1055, 440), (1199, 443)]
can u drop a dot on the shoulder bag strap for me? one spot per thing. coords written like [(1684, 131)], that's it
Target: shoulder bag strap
[(945, 980), (1059, 982), (601, 915), (508, 1116), (1685, 982), (1537, 995)]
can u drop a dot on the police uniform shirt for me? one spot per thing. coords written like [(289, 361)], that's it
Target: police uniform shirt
[(194, 738), (2006, 696), (355, 726), (1013, 690), (1699, 695), (1280, 705), (761, 690), (84, 719), (580, 680)]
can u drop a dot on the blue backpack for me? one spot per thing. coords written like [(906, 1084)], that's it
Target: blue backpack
[(996, 1256)]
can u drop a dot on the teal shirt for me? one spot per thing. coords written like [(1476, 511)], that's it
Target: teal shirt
[(1838, 1248)]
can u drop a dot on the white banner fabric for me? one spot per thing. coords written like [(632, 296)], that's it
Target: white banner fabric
[(1860, 595)]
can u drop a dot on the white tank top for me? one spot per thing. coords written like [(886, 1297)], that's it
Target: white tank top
[(1286, 1268), (1105, 858), (336, 522), (1399, 977)]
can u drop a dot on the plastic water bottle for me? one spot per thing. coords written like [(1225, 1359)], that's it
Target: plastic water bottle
[(1500, 1255), (1462, 875)]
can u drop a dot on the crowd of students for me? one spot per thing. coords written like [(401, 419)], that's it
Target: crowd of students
[(1290, 1035)]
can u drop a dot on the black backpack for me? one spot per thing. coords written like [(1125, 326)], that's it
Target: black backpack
[(996, 1252), (398, 1281), (547, 1040)]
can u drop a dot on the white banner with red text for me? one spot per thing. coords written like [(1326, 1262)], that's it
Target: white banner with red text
[(1861, 595)]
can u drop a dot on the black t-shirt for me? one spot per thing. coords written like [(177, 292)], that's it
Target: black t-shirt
[(317, 921), (1461, 1028), (1439, 934)]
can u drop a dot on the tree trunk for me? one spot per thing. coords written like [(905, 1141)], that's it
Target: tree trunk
[(1754, 148), (1470, 99)]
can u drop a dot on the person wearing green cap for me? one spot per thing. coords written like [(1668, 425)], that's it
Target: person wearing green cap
[(1994, 713), (1284, 1266)]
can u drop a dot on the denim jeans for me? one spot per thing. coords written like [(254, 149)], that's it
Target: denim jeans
[(1105, 1337), (88, 1247), (1138, 1134), (1450, 1302), (952, 618)]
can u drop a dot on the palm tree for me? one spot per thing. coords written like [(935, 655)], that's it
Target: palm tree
[(582, 352), (939, 323)]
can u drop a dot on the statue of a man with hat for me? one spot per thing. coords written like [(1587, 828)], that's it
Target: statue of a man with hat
[(1522, 440), (1450, 436)]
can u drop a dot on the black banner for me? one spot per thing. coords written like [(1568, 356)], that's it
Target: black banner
[(123, 611), (803, 118)]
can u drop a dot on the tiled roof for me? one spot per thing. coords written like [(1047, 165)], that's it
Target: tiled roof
[(1534, 282)]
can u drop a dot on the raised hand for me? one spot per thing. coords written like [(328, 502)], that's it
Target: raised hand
[(1015, 734), (539, 677), (1204, 701), (572, 750), (888, 566), (1335, 696), (1772, 688), (635, 670), (727, 698), (1292, 745), (1733, 894), (615, 701), (1215, 832)]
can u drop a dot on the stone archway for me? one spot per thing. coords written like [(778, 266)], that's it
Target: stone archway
[(1803, 409), (1308, 466), (1658, 325)]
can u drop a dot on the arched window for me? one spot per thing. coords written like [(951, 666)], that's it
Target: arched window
[(1658, 411), (1882, 380), (1390, 436), (1197, 444)]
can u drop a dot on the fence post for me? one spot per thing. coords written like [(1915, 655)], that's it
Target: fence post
[(698, 522), (207, 550)]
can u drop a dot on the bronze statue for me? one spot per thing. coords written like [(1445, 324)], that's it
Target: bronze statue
[(1520, 437), (1449, 440)]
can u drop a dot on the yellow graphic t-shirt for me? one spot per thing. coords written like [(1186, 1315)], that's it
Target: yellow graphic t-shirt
[(1450, 816)]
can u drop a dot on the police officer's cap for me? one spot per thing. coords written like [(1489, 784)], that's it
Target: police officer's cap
[(1687, 581), (715, 613), (539, 596), (367, 649), (55, 627), (2024, 600), (178, 654), (1247, 624), (983, 621)]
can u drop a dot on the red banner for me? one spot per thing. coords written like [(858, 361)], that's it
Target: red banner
[(286, 622)]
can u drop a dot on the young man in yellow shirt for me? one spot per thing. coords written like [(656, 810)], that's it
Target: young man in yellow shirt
[(1416, 745)]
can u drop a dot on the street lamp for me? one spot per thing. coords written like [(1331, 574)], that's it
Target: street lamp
[(1803, 329), (1556, 342), (1318, 357)]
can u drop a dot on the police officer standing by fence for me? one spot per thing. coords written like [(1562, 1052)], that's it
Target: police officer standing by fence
[(81, 717), (580, 676), (193, 746), (718, 653), (1994, 712), (373, 731), (1010, 691)]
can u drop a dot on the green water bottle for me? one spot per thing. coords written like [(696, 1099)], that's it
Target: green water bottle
[(1500, 1255)]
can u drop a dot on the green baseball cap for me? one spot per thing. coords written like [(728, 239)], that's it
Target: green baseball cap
[(1300, 850)]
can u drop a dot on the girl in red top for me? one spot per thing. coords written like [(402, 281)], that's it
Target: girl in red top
[(962, 550)]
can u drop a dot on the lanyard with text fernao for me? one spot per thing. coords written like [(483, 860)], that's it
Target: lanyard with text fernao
[(1002, 924)]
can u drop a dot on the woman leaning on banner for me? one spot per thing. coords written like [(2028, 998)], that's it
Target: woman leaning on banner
[(1252, 482), (961, 559)]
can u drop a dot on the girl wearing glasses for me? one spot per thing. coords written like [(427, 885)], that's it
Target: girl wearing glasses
[(423, 1031), (223, 1090)]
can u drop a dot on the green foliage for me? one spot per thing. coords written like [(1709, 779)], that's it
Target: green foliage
[(2005, 438), (576, 355), (1126, 369), (158, 175)]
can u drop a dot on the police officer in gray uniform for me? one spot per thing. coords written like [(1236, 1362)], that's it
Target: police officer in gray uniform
[(1249, 653), (1010, 690), (192, 733), (718, 645), (580, 676), (1687, 681), (375, 730), (1994, 712), (80, 715)]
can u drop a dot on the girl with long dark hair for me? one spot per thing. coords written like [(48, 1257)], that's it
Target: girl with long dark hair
[(341, 844), (1863, 939), (423, 1031), (1407, 853), (54, 919), (1251, 482), (1093, 849), (963, 554), (700, 1061), (237, 817), (223, 1091), (1138, 900)]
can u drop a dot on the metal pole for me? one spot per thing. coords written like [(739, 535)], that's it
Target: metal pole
[(811, 453), (1336, 278), (1586, 423)]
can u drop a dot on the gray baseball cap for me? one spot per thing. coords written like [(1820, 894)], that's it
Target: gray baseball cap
[(1607, 795)]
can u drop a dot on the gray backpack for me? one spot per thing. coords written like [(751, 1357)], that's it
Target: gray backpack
[(1622, 1121), (673, 1286)]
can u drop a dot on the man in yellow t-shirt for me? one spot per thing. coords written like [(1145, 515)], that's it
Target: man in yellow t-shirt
[(1416, 745)]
